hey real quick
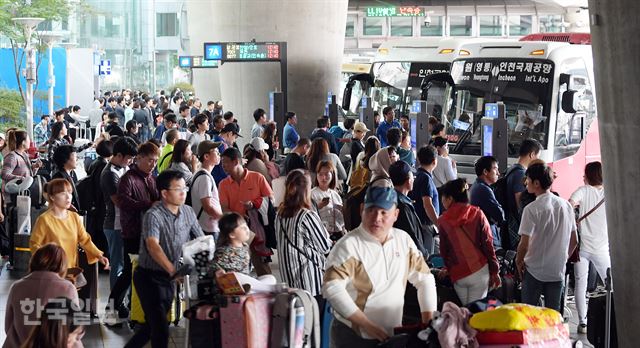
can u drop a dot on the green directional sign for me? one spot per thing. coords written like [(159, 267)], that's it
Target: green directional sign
[(396, 11)]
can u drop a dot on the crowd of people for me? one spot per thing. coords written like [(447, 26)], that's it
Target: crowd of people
[(359, 216)]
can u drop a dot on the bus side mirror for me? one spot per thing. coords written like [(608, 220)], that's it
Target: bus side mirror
[(569, 102), (346, 95)]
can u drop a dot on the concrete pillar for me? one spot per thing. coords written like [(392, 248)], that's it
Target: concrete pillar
[(314, 31), (616, 50)]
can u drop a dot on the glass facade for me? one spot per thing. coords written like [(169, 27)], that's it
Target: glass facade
[(433, 28), (551, 24), (490, 25), (520, 25), (460, 25), (167, 24), (401, 26), (373, 26), (351, 26)]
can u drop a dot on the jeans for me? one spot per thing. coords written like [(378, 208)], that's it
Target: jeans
[(156, 293), (123, 283), (114, 240), (581, 270), (343, 336), (532, 288), (474, 286)]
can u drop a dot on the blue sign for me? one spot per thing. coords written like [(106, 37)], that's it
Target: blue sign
[(487, 139), (415, 106), (491, 110), (105, 67), (185, 61), (212, 51), (364, 103)]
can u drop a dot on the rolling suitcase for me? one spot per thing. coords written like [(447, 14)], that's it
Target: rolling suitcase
[(136, 314), (245, 320), (295, 320), (601, 321), (203, 325)]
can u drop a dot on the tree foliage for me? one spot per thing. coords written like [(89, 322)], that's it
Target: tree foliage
[(49, 10), (10, 109)]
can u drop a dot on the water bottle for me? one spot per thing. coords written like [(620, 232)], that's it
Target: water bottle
[(299, 328)]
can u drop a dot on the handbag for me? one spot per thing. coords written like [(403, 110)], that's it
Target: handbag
[(575, 256)]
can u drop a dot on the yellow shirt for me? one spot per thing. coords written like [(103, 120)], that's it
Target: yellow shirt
[(67, 233), (167, 155)]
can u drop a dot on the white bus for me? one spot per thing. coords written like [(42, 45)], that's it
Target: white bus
[(546, 84), (398, 71)]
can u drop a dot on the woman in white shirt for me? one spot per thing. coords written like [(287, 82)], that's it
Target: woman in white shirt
[(446, 170), (594, 240)]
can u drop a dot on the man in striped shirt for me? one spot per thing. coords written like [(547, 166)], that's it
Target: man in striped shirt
[(366, 276)]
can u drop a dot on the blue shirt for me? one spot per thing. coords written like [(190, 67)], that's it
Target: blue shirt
[(159, 131), (423, 185), (482, 196), (290, 135), (381, 132)]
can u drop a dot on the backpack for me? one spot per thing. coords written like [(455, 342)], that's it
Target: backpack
[(500, 189), (189, 200), (352, 202)]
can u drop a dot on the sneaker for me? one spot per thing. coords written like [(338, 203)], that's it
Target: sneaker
[(111, 319), (582, 328)]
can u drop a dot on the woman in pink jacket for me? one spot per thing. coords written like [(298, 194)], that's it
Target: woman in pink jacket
[(29, 295)]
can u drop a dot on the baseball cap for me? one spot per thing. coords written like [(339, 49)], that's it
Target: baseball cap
[(2, 136), (207, 145), (360, 127), (231, 127), (258, 144), (381, 197), (399, 172)]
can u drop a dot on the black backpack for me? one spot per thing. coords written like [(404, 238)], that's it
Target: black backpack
[(500, 189), (189, 200)]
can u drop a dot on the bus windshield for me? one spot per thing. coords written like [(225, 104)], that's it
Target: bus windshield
[(398, 84), (523, 85)]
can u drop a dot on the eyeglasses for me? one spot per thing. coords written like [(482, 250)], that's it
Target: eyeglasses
[(180, 189)]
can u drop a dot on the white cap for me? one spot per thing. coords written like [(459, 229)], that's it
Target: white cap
[(258, 144)]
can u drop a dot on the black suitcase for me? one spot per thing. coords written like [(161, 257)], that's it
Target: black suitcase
[(597, 318)]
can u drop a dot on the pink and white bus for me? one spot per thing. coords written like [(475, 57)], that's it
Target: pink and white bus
[(546, 83)]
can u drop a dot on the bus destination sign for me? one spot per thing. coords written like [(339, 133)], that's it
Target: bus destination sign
[(243, 51), (515, 70), (396, 11)]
